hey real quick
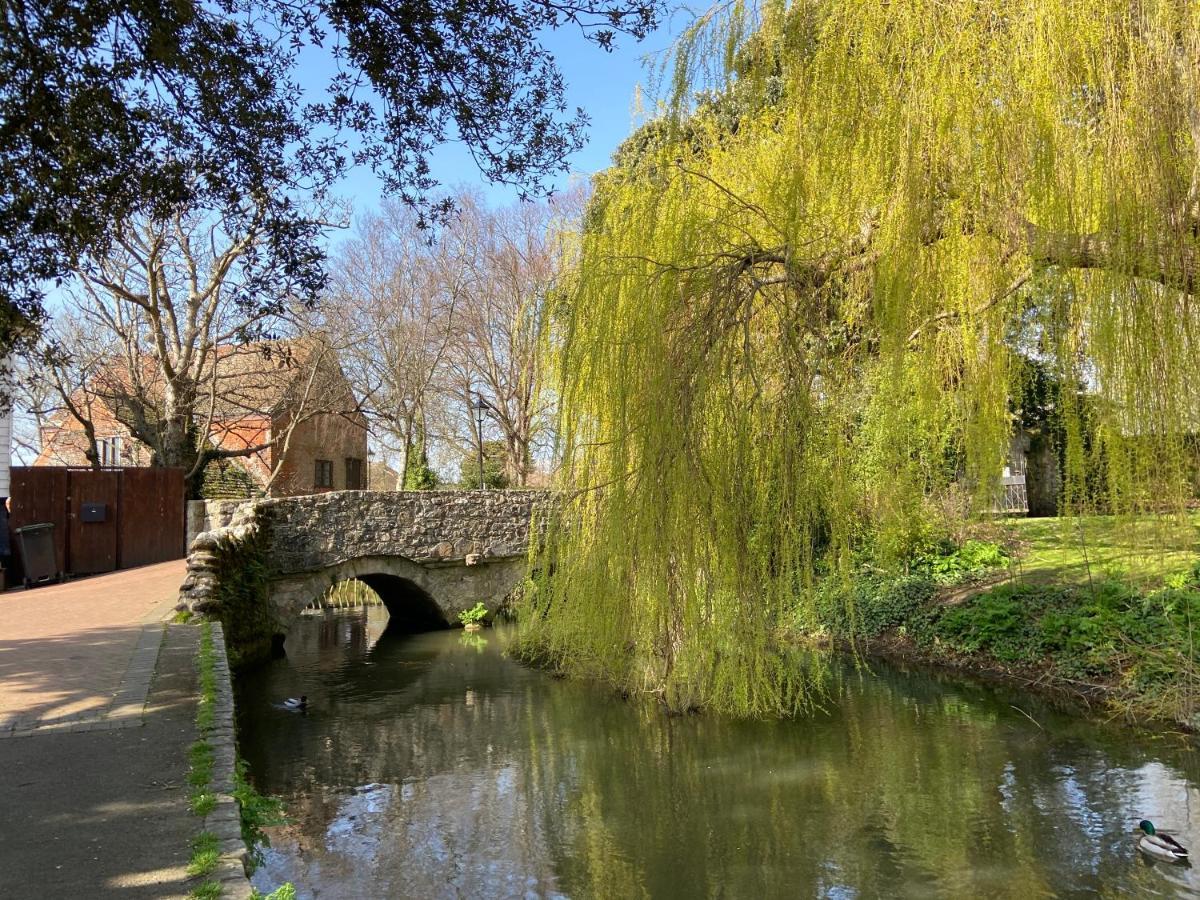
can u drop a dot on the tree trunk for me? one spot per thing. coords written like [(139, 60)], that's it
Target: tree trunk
[(405, 455), (406, 450), (517, 447), (178, 447), (92, 451)]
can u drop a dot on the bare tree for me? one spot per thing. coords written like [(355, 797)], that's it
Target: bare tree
[(34, 400), (52, 379), (393, 309), (164, 343), (515, 258), (429, 321)]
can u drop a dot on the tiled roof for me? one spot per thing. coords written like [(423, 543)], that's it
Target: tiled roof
[(265, 378)]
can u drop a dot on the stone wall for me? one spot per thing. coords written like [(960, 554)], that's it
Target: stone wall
[(311, 533), (206, 559), (209, 515), (457, 547)]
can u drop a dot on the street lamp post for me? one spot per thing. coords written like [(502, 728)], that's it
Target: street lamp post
[(480, 406)]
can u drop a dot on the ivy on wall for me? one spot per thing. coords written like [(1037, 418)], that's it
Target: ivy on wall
[(241, 597)]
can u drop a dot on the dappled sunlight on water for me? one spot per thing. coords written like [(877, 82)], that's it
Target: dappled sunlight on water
[(430, 766)]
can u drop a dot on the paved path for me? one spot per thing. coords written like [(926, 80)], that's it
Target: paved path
[(79, 656), (103, 814)]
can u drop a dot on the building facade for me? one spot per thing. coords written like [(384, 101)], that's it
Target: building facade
[(295, 407)]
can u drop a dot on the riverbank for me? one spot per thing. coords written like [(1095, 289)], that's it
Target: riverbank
[(1120, 646), (1070, 695), (218, 860)]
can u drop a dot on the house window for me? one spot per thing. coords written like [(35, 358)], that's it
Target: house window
[(110, 451), (323, 477), (354, 474)]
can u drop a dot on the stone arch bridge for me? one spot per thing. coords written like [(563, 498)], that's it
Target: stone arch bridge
[(428, 554)]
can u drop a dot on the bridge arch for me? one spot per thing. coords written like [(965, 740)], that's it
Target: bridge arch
[(418, 596), (409, 606)]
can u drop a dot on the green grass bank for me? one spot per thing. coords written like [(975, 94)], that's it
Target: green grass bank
[(1105, 610)]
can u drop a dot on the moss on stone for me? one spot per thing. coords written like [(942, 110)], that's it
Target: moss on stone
[(240, 597)]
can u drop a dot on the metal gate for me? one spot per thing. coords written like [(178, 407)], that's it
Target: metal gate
[(104, 519), (1013, 498)]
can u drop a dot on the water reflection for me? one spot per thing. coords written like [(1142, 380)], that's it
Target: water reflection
[(430, 766)]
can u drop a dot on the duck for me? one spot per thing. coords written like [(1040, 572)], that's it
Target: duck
[(297, 703), (1159, 844)]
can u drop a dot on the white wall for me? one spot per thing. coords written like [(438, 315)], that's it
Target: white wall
[(5, 428)]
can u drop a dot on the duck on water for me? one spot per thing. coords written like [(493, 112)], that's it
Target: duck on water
[(1159, 844)]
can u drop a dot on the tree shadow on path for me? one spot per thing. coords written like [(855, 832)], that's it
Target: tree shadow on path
[(102, 813)]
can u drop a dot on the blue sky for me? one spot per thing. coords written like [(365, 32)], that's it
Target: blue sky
[(603, 84)]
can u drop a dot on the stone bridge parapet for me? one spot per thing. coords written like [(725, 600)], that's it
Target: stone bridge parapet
[(312, 533), (448, 548)]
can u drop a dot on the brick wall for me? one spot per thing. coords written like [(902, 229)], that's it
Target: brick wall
[(330, 437)]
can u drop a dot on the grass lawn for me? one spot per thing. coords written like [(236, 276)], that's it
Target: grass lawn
[(1076, 550), (1109, 605)]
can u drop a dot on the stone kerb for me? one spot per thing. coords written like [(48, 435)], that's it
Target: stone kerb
[(225, 819)]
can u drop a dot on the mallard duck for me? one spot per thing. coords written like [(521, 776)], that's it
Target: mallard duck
[(1159, 844), (300, 702)]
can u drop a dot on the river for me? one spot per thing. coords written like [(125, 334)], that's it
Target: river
[(431, 766)]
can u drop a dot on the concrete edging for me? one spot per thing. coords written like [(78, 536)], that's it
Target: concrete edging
[(225, 820)]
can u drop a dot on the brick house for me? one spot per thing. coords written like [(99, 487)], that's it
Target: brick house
[(256, 394)]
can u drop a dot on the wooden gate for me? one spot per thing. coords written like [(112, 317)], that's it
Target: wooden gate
[(93, 503), (104, 519), (152, 510)]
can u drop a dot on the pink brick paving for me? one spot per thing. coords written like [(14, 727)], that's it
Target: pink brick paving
[(79, 656)]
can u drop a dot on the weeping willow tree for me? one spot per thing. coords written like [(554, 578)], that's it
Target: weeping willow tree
[(804, 297)]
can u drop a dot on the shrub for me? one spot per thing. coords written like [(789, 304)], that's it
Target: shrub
[(947, 564), (892, 602), (421, 476), (476, 613), (869, 605), (1104, 631), (997, 623), (495, 457)]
